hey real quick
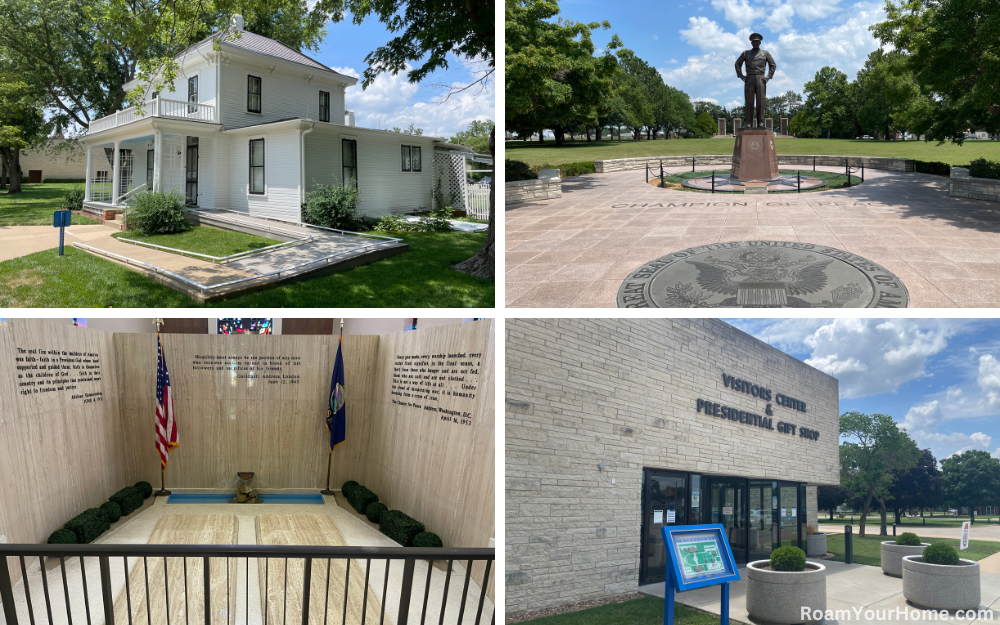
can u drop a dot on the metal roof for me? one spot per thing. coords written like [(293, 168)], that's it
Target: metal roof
[(262, 45)]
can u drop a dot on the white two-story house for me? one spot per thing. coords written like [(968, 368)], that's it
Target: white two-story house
[(251, 127)]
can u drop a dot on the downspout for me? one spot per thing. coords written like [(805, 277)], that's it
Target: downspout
[(302, 165)]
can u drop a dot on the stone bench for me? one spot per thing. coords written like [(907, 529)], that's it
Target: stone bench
[(546, 187)]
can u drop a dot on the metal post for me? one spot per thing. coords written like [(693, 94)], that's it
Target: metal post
[(848, 545), (668, 598), (647, 174), (725, 604), (404, 598), (713, 181), (306, 584), (893, 529), (692, 164), (208, 595), (6, 592), (847, 168), (862, 172), (109, 603), (798, 180), (814, 163)]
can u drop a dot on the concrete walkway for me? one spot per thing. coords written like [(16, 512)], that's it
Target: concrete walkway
[(574, 251), (17, 241), (849, 588), (979, 531)]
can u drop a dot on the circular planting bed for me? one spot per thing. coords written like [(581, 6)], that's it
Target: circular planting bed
[(762, 274), (790, 181)]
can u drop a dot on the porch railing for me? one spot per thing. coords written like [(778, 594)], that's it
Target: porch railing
[(159, 107), (410, 570)]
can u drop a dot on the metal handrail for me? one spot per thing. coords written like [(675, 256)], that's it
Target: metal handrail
[(293, 223), (220, 259), (270, 551)]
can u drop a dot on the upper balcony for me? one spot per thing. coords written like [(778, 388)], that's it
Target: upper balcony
[(158, 107)]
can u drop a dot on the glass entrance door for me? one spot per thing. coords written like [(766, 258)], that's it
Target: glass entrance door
[(729, 507), (664, 502), (762, 506), (191, 187), (788, 514)]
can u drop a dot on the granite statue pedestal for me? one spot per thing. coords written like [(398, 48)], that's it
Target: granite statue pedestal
[(754, 157)]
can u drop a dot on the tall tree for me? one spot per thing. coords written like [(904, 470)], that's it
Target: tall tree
[(829, 497), (952, 52), (476, 135), (826, 96), (22, 126), (921, 486), (971, 478), (874, 446)]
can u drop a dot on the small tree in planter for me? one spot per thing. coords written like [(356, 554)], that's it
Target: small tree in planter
[(940, 580), (780, 589), (815, 542), (893, 551)]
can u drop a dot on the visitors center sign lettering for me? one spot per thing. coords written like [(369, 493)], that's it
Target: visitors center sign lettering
[(752, 419)]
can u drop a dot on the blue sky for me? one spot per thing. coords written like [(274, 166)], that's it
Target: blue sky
[(694, 44), (391, 100), (939, 378)]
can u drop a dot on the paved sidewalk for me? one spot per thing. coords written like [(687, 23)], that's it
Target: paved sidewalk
[(979, 531), (849, 587), (574, 251), (16, 241)]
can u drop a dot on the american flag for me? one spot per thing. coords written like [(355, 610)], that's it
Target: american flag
[(166, 427)]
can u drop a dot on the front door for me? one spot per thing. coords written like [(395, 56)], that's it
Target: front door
[(763, 507), (191, 167), (788, 515), (664, 503), (728, 499)]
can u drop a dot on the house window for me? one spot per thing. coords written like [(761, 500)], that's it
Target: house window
[(257, 166), (253, 94), (324, 106), (192, 93), (155, 95), (410, 155), (349, 151), (150, 159)]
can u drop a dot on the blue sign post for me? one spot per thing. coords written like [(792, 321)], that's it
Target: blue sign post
[(61, 220), (697, 556)]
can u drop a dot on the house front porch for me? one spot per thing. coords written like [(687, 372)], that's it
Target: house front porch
[(149, 153)]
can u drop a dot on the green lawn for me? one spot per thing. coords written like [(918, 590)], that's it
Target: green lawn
[(867, 549), (419, 278), (535, 154), (641, 611), (938, 521), (35, 204), (203, 240)]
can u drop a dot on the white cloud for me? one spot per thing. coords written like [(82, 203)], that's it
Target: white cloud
[(696, 100), (780, 18), (814, 9), (708, 35), (923, 423), (388, 102), (738, 12)]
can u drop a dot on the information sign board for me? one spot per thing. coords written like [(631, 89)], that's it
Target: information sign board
[(699, 555)]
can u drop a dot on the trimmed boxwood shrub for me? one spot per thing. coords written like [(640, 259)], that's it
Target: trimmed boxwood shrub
[(128, 499), (348, 487), (62, 537), (145, 489), (982, 168), (932, 167), (360, 498), (374, 511), (113, 511), (427, 539), (908, 538), (517, 170), (88, 525), (400, 527), (940, 553), (788, 559), (156, 212)]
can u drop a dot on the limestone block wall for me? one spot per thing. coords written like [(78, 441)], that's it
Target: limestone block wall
[(622, 393), (800, 160), (532, 190), (961, 184)]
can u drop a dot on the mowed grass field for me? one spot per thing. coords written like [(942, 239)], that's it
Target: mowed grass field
[(535, 154)]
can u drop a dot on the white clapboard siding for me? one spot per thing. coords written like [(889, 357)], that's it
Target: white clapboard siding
[(206, 171), (322, 159), (281, 175), (223, 172), (284, 95), (383, 186), (173, 164), (196, 66)]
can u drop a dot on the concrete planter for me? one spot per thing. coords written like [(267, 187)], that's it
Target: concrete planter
[(940, 586), (816, 544), (892, 556), (779, 596)]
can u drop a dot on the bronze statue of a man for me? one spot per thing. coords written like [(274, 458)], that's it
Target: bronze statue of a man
[(755, 87)]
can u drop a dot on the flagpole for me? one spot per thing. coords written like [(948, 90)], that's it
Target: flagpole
[(329, 460), (163, 492)]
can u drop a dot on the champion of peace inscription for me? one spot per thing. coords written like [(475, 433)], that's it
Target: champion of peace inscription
[(68, 372), (762, 274), (443, 384)]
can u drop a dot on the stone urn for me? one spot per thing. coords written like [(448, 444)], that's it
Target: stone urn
[(941, 586), (779, 596), (892, 556), (816, 544)]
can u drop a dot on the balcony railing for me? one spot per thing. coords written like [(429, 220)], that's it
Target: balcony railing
[(172, 109), (214, 584)]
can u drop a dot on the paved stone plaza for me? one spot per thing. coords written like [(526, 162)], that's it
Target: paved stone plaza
[(575, 251)]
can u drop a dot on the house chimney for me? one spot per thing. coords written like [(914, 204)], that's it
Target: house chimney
[(349, 118), (237, 22)]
